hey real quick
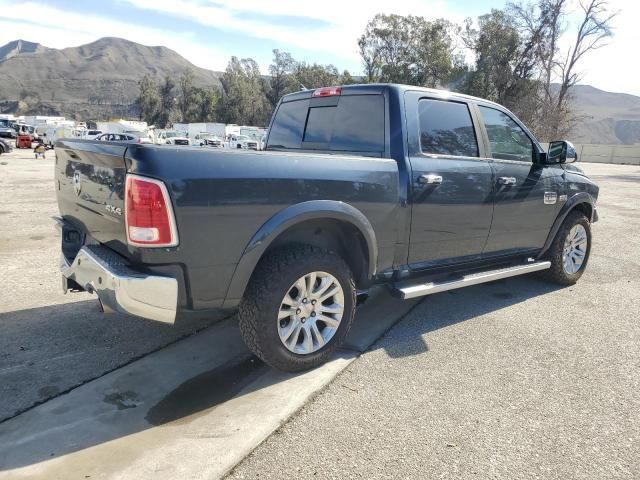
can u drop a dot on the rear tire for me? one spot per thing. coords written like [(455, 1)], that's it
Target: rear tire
[(278, 327), (569, 252)]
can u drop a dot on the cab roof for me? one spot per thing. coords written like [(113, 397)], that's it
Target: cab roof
[(378, 88)]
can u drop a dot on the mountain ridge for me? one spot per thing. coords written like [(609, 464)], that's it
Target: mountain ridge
[(88, 81), (100, 80)]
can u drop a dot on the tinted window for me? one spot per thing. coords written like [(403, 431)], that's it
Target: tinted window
[(508, 141), (359, 124), (446, 129), (355, 124), (288, 125), (320, 124)]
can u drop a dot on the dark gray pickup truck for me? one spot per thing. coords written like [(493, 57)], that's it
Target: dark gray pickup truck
[(421, 190)]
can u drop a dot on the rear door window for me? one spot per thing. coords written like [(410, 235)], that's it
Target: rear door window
[(354, 123), (446, 128)]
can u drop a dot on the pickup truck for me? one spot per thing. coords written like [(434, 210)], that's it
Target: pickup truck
[(419, 190), (243, 142)]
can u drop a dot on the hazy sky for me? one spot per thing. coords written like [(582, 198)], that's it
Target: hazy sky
[(208, 32)]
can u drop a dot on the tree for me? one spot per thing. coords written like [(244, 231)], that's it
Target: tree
[(541, 26), (504, 69), (242, 99), (205, 104), (186, 98), (346, 78), (167, 102), (280, 82), (148, 101), (592, 33), (410, 50), (315, 75)]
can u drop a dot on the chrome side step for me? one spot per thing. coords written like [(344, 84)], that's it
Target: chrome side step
[(422, 289)]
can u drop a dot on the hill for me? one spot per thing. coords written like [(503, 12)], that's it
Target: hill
[(89, 81), (20, 47), (605, 117), (100, 80)]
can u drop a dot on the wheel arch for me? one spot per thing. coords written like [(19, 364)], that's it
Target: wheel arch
[(582, 202), (323, 223)]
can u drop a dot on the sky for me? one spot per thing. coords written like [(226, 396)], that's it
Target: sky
[(209, 32)]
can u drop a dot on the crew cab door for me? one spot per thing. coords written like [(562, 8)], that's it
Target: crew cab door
[(528, 194), (451, 183)]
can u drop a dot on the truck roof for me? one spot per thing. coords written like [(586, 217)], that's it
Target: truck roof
[(371, 88)]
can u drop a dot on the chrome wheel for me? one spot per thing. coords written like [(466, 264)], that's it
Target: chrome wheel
[(575, 249), (310, 312)]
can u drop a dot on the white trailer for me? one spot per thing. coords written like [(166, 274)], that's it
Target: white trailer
[(190, 130), (52, 133), (230, 130), (253, 132), (124, 126)]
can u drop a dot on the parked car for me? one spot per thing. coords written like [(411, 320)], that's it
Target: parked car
[(208, 140), (24, 129), (243, 142), (169, 137), (5, 146), (6, 130), (92, 134), (419, 190), (122, 138)]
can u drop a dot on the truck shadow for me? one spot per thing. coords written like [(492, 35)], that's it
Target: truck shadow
[(47, 351), (148, 393), (455, 306)]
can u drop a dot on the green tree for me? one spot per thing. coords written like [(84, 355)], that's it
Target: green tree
[(205, 104), (242, 99), (167, 102), (315, 75), (280, 81), (148, 101), (186, 98), (497, 47), (409, 49), (346, 78)]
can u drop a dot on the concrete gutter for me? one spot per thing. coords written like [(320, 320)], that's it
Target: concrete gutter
[(192, 410)]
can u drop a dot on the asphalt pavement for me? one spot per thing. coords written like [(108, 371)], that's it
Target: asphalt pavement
[(50, 342), (517, 379), (513, 379)]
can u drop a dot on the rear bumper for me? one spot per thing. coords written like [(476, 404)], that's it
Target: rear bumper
[(120, 288)]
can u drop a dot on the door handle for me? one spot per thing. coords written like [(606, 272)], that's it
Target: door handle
[(507, 180), (430, 179)]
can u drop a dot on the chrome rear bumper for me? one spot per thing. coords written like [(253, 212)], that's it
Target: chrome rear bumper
[(120, 288)]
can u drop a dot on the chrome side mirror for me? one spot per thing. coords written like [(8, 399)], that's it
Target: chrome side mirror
[(561, 152)]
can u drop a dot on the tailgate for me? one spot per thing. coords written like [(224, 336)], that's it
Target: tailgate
[(90, 182)]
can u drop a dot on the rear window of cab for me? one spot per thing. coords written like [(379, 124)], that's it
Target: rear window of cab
[(350, 123)]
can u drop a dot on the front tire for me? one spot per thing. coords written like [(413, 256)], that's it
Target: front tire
[(569, 252), (298, 307)]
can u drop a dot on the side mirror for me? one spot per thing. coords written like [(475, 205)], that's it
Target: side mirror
[(561, 152)]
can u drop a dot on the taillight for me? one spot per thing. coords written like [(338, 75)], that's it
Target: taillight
[(148, 213), (327, 92)]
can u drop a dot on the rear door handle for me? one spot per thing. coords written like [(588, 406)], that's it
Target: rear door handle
[(507, 180), (430, 179)]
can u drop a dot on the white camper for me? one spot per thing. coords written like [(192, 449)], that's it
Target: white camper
[(191, 130)]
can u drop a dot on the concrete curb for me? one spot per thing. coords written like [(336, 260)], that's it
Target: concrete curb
[(192, 410)]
